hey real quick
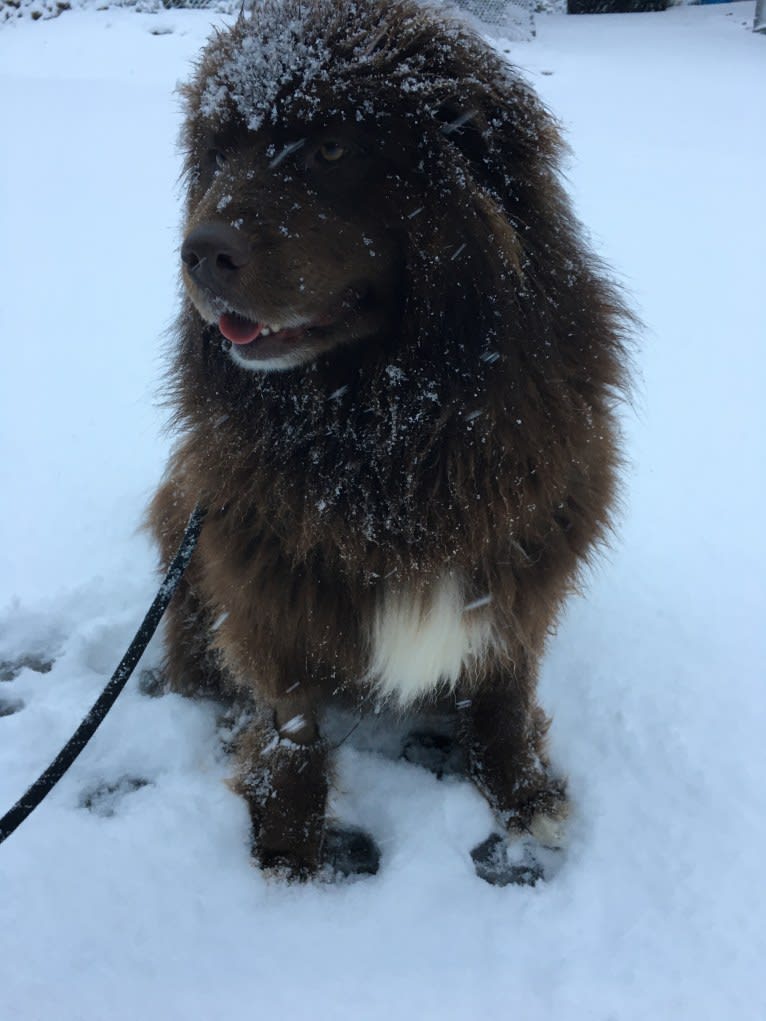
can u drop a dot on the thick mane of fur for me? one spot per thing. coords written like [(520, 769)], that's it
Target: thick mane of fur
[(508, 353), (473, 436)]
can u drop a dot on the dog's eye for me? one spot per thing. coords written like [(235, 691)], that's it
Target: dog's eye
[(331, 152), (216, 158)]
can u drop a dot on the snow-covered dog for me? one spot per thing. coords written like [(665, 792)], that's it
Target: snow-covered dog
[(394, 375)]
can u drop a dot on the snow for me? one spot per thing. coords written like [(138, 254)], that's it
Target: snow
[(284, 48), (146, 905)]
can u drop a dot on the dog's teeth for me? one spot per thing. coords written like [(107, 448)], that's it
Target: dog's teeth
[(275, 329), (265, 331)]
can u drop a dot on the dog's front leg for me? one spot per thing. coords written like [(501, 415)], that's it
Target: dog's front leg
[(504, 732), (283, 777)]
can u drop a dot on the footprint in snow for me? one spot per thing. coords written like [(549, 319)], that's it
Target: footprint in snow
[(153, 683), (11, 668), (9, 706), (104, 798)]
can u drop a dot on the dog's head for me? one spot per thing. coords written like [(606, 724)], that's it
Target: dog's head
[(348, 165)]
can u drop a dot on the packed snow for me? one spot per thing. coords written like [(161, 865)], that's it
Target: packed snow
[(129, 893)]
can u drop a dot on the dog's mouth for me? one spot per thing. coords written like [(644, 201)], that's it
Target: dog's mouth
[(257, 341), (246, 333), (291, 339), (261, 344)]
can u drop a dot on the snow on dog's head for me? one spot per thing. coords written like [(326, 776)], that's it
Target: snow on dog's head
[(353, 174)]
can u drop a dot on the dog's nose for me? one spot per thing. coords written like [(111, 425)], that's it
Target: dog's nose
[(214, 252)]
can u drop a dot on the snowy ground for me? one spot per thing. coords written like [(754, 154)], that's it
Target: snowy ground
[(144, 905)]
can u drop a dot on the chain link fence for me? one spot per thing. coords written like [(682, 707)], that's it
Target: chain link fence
[(511, 18)]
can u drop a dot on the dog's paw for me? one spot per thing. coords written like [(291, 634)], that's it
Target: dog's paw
[(283, 866), (531, 850), (439, 753), (344, 852), (495, 864), (550, 828), (347, 851), (505, 861), (544, 817)]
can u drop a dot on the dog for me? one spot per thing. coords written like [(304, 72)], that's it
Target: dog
[(394, 376)]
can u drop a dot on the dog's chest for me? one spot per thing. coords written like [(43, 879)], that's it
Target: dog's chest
[(427, 641)]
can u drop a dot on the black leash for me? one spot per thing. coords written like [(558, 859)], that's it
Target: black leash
[(28, 802)]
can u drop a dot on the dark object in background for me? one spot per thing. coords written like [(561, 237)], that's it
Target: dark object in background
[(615, 6)]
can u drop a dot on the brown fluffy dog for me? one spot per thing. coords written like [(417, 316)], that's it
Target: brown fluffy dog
[(394, 376)]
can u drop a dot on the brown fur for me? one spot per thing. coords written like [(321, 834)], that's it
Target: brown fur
[(454, 417)]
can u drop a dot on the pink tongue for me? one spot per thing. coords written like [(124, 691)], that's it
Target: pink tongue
[(237, 329)]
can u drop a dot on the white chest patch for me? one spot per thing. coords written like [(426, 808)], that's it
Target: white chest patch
[(423, 642)]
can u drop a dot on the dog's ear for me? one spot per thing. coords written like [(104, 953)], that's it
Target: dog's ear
[(462, 122), (476, 259), (500, 127)]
